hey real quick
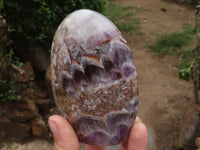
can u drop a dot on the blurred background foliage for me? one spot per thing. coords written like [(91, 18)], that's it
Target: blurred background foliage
[(33, 23)]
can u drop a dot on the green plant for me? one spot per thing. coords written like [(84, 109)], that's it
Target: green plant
[(173, 44), (185, 72), (122, 17), (187, 61), (169, 44), (9, 57), (7, 90)]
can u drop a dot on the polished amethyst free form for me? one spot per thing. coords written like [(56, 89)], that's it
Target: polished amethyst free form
[(94, 78)]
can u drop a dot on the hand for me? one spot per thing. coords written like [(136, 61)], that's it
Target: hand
[(65, 138)]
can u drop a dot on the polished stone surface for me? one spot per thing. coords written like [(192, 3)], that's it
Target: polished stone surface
[(94, 78)]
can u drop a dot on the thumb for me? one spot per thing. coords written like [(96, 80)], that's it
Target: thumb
[(138, 137), (63, 134)]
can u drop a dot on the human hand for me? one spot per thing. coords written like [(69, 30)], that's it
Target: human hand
[(65, 138)]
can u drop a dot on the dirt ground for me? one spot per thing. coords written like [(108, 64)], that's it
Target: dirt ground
[(163, 97)]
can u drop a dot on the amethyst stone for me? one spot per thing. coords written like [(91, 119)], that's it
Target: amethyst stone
[(94, 78)]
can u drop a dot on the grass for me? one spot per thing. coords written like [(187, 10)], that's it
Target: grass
[(122, 17), (169, 44), (178, 43)]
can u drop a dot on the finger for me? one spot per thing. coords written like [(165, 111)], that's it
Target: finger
[(124, 145), (63, 134), (138, 137), (92, 147)]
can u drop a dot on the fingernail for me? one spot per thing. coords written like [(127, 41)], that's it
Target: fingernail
[(53, 127)]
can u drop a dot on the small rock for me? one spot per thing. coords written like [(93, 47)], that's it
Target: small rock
[(31, 106), (32, 93), (44, 106), (36, 144), (29, 92), (190, 127), (48, 75), (22, 111), (54, 111), (19, 86), (40, 129), (197, 142), (43, 102), (163, 9), (2, 133), (24, 73), (18, 115), (2, 22), (42, 94), (48, 82), (4, 74), (14, 131), (29, 73)]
